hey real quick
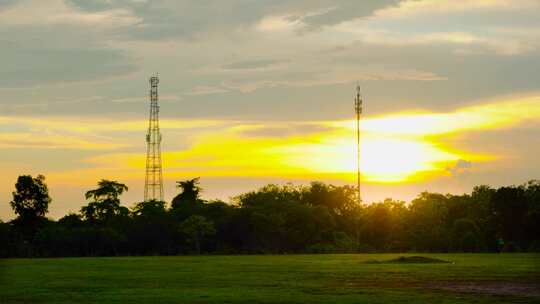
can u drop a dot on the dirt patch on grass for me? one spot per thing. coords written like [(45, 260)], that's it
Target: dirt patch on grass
[(491, 288), (410, 260)]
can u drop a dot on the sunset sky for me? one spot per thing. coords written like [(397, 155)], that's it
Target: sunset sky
[(256, 92)]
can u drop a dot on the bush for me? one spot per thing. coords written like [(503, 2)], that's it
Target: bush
[(534, 246), (321, 248), (469, 242), (4, 239), (511, 247)]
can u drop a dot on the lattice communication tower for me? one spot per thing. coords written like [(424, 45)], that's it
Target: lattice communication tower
[(153, 186)]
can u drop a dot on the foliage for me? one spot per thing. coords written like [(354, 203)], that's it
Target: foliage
[(196, 228), (316, 218), (4, 239), (150, 209), (189, 193), (107, 190), (31, 197), (106, 203)]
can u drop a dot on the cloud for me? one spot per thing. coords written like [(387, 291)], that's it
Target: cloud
[(140, 99), (471, 25), (246, 84), (164, 19), (463, 42), (492, 115), (4, 4), (460, 167), (253, 64), (50, 43), (379, 48), (415, 8), (104, 125), (91, 134), (56, 12), (345, 11), (46, 140), (47, 66), (286, 130), (489, 115), (104, 5), (206, 90)]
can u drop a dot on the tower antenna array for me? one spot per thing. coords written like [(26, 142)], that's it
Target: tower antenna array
[(153, 186), (358, 110)]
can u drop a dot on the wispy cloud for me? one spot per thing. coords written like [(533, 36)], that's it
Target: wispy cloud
[(96, 124), (39, 140), (315, 79)]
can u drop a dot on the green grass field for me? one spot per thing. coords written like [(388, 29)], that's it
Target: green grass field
[(348, 278)]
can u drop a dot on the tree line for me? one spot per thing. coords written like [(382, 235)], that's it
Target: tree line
[(316, 218)]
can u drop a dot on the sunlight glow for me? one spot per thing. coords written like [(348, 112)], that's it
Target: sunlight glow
[(382, 160), (478, 117), (395, 148)]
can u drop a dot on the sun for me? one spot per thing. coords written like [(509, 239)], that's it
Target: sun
[(384, 160)]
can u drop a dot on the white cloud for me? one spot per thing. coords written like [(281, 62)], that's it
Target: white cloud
[(468, 26), (56, 12), (278, 23), (415, 8)]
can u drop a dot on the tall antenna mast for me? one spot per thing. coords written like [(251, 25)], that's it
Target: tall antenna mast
[(358, 109), (153, 186)]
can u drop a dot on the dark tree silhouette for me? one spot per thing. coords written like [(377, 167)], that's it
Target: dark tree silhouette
[(31, 198), (106, 190), (4, 239), (151, 230), (149, 209), (105, 204), (465, 235), (188, 201), (197, 228), (318, 218), (189, 193)]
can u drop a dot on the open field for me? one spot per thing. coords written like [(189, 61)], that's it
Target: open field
[(349, 278)]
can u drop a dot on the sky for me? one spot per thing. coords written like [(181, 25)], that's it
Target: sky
[(256, 92)]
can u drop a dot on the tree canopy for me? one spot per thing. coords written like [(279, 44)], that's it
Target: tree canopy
[(31, 197), (314, 218), (105, 204)]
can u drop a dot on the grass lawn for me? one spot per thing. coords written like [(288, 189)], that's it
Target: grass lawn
[(347, 278)]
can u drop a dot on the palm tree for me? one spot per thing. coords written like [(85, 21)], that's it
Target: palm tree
[(190, 189), (189, 193)]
